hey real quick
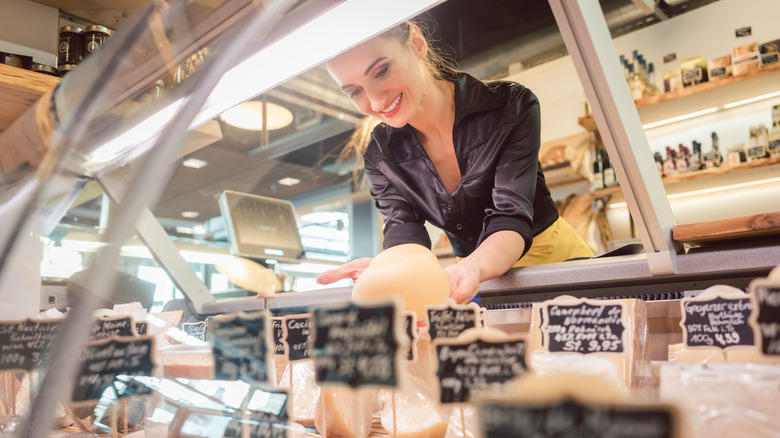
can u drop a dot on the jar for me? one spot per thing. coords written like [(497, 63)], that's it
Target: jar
[(96, 35), (64, 69), (45, 69), (71, 47)]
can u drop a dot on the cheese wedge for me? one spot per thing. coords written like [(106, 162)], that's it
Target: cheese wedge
[(304, 393), (417, 415), (344, 412)]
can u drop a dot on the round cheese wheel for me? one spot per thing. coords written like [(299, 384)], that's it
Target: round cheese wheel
[(409, 271)]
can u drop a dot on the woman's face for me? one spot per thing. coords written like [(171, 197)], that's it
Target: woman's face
[(384, 77)]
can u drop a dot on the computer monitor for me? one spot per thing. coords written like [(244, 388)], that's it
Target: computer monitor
[(261, 228)]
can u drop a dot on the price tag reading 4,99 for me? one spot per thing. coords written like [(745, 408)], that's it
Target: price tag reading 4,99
[(583, 326)]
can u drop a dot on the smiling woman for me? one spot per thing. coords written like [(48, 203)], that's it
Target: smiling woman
[(456, 152)]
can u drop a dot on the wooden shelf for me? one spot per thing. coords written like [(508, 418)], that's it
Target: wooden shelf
[(657, 107), (19, 89), (704, 173), (753, 226)]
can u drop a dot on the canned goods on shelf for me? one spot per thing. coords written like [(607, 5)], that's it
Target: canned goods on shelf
[(96, 35), (45, 69), (64, 69), (71, 48)]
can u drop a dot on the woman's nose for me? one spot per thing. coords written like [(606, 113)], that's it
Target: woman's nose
[(376, 99)]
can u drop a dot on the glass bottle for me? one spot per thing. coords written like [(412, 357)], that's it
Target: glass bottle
[(774, 141)]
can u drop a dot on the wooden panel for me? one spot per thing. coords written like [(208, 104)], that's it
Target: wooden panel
[(93, 4), (759, 225), (19, 89)]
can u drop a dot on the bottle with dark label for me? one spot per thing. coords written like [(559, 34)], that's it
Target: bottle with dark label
[(610, 179), (598, 170), (681, 161), (774, 141), (695, 158), (659, 163), (670, 165), (713, 158)]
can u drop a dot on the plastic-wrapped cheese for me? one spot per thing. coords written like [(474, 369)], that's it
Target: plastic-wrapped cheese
[(631, 370), (409, 271), (692, 356), (416, 412), (305, 391), (344, 412)]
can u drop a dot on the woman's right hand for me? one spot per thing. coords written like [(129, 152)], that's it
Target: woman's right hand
[(351, 270)]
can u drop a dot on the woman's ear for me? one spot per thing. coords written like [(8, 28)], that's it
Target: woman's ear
[(418, 42)]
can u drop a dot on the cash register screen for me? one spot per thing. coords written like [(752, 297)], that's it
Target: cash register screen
[(261, 228)]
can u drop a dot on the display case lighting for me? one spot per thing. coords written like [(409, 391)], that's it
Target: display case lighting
[(710, 110)]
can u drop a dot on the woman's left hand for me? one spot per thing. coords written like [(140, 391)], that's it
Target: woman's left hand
[(464, 280)]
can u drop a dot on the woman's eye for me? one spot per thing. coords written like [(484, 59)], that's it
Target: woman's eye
[(353, 92), (381, 72)]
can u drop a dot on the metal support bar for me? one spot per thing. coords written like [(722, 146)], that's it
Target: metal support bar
[(589, 43), (160, 244)]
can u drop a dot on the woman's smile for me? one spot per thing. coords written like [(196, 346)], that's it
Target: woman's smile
[(394, 107)]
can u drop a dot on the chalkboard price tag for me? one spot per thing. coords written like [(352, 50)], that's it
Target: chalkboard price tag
[(296, 337), (717, 321), (410, 330), (765, 320), (584, 326), (111, 327), (357, 344), (142, 327), (195, 330), (278, 336), (569, 417), (105, 359), (268, 421), (450, 320), (743, 31), (241, 346), (670, 57), (468, 366), (25, 345)]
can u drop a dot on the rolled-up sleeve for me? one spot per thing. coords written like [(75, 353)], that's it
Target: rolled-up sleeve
[(516, 172), (402, 223)]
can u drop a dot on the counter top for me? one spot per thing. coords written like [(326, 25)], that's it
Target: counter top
[(617, 276)]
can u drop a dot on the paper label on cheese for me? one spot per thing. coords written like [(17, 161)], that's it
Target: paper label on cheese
[(468, 365), (569, 417), (296, 336), (241, 346), (26, 345), (110, 327), (450, 319), (717, 321), (142, 327), (584, 326), (765, 320), (106, 359), (357, 344)]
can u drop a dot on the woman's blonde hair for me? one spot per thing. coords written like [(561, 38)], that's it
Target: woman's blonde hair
[(439, 64)]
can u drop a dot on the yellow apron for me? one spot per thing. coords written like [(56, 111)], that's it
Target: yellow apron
[(558, 243)]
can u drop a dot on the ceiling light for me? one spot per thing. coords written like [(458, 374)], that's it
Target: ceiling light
[(194, 163), (190, 214), (289, 181), (249, 115)]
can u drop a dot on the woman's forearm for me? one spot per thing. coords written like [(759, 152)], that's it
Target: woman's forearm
[(497, 254)]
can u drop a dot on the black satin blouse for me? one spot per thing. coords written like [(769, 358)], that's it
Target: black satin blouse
[(496, 136)]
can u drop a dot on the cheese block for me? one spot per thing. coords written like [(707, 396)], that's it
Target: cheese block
[(724, 400), (750, 355), (409, 271), (344, 412), (187, 362), (305, 391), (631, 371), (461, 415), (280, 364), (417, 415), (692, 356)]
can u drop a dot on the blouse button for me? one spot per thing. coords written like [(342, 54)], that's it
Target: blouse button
[(449, 207), (469, 238), (459, 226)]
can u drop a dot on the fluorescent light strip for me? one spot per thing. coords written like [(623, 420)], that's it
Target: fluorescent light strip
[(710, 190), (710, 110), (751, 100), (680, 118)]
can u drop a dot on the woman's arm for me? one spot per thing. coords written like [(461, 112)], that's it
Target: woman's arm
[(494, 256)]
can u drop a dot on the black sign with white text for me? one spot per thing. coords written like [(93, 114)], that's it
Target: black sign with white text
[(584, 328), (718, 322), (25, 345), (451, 321), (768, 318), (105, 328), (356, 345), (240, 347), (296, 337)]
